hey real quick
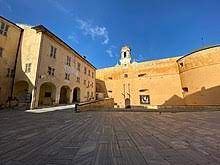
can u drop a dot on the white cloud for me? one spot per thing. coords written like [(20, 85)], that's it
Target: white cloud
[(60, 7), (89, 29), (110, 51), (73, 37), (94, 31)]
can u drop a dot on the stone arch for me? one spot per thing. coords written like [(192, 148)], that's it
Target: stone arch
[(64, 95), (76, 95), (47, 95), (21, 92)]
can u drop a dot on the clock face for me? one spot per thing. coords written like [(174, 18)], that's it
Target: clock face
[(144, 99)]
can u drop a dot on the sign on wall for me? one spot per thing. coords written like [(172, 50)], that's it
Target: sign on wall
[(145, 99)]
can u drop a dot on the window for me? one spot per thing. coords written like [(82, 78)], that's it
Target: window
[(51, 71), (185, 90), (1, 51), (88, 84), (181, 64), (74, 62), (78, 66), (125, 75), (85, 70), (10, 72), (143, 90), (110, 78), (68, 61), (78, 79), (3, 29), (84, 82), (89, 73), (124, 54), (141, 75), (53, 51), (67, 76), (92, 74), (109, 91), (28, 68)]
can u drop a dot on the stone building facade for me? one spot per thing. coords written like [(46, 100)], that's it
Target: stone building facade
[(200, 76), (186, 80), (10, 39), (47, 70)]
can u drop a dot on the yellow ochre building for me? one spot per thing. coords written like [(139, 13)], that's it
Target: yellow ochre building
[(190, 80), (37, 68)]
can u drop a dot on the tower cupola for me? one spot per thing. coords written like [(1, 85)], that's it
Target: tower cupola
[(125, 56)]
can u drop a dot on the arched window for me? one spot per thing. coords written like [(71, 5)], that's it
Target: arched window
[(125, 54)]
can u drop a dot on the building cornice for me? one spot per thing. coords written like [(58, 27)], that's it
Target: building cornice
[(41, 28), (11, 22), (198, 50)]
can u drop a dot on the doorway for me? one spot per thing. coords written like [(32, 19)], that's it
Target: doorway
[(127, 103)]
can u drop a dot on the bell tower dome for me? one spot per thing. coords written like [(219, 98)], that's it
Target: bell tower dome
[(125, 56)]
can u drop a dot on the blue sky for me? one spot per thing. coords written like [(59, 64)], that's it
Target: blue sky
[(99, 28)]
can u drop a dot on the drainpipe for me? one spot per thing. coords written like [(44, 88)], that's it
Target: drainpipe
[(16, 59)]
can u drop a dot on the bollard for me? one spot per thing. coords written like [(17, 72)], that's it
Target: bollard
[(76, 105)]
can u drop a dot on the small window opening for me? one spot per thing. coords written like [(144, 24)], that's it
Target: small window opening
[(141, 75), (125, 75), (143, 90), (125, 54), (185, 89)]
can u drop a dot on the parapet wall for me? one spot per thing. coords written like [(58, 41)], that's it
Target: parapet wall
[(98, 104)]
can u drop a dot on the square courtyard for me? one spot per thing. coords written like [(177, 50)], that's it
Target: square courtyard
[(64, 137)]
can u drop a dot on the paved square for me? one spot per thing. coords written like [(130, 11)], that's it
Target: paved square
[(64, 137)]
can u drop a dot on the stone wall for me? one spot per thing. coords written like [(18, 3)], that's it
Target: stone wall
[(9, 44), (181, 81), (97, 105), (200, 76), (159, 79)]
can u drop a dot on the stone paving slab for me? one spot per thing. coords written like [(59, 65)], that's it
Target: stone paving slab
[(64, 137)]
